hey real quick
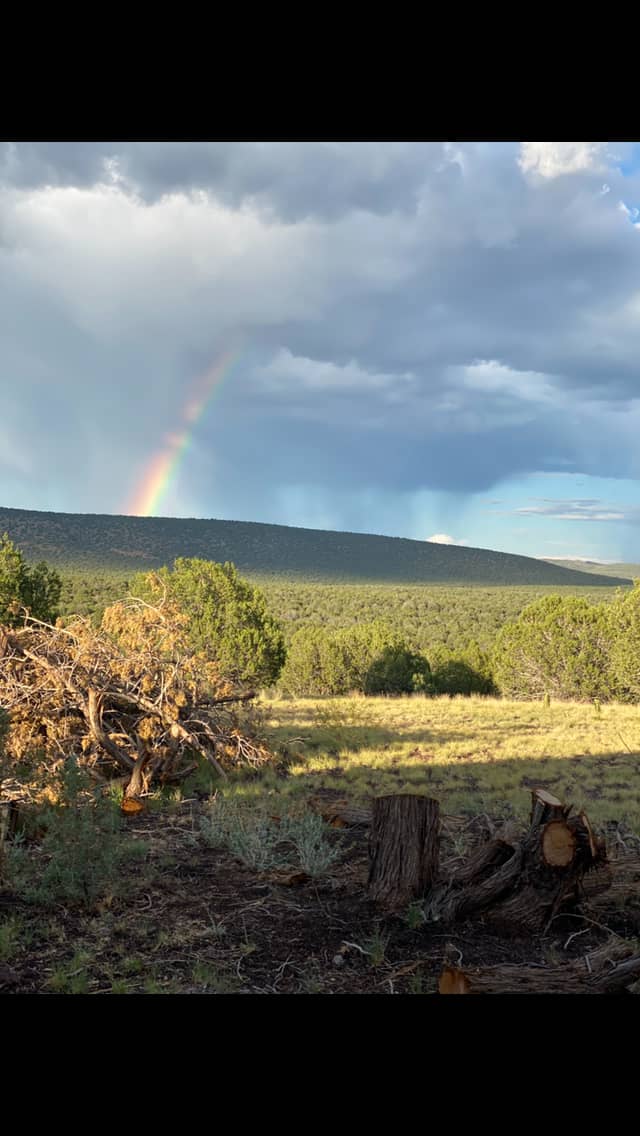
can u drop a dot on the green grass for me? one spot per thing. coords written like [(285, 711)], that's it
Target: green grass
[(473, 754)]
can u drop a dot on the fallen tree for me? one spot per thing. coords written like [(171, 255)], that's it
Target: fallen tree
[(524, 883), (608, 970), (132, 699)]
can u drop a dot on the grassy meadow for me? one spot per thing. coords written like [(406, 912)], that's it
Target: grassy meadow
[(474, 754)]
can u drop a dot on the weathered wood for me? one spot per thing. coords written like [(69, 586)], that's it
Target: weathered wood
[(546, 807), (341, 814), (450, 903), (484, 861), (138, 781), (404, 848), (89, 693), (611, 968), (523, 886), (94, 718)]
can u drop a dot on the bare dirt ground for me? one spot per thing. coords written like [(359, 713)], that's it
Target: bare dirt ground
[(197, 921)]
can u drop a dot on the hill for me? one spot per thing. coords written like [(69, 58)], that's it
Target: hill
[(597, 568), (106, 542)]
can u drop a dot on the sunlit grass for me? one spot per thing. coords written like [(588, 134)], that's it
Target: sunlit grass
[(473, 754)]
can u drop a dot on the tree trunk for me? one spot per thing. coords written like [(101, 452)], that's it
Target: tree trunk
[(404, 848)]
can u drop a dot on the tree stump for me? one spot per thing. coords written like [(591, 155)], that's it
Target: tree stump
[(404, 849), (524, 884)]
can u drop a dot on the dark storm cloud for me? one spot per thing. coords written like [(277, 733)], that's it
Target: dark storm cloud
[(412, 315), (293, 179)]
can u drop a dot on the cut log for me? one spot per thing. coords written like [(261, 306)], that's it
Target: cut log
[(546, 807), (341, 814), (558, 844), (450, 903), (608, 970), (484, 861), (404, 849), (522, 887)]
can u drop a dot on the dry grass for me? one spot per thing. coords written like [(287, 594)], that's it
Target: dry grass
[(474, 754)]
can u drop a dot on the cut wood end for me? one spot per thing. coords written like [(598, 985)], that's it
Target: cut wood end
[(453, 981), (558, 844), (131, 806), (546, 798)]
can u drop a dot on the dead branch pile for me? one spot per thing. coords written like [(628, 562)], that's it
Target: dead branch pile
[(132, 698)]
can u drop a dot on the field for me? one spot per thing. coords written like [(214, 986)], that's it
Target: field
[(258, 883), (474, 754), (175, 914)]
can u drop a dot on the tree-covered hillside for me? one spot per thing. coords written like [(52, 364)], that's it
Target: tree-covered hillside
[(93, 541)]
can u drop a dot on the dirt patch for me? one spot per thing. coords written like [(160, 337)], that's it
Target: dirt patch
[(199, 921)]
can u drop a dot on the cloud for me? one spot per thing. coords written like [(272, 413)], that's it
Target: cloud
[(583, 509), (444, 538), (416, 318), (579, 559), (555, 159), (632, 213)]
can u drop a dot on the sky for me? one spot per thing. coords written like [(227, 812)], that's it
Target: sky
[(436, 340)]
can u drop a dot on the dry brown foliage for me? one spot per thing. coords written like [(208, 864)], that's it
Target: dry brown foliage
[(131, 698)]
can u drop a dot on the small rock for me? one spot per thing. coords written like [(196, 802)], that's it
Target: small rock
[(338, 960)]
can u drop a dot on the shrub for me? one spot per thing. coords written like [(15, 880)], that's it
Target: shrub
[(307, 834), (625, 645), (315, 665), (37, 588), (264, 842), (369, 658), (461, 672), (559, 646), (397, 670), (81, 849), (228, 618)]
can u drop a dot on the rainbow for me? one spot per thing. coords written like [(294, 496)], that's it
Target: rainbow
[(164, 465)]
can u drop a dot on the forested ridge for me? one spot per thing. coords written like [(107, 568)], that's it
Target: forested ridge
[(105, 542)]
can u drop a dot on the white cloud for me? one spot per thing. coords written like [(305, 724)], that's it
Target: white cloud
[(553, 159), (444, 538), (287, 370), (631, 213), (494, 377)]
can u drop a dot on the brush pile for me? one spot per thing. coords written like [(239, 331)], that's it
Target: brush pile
[(131, 699)]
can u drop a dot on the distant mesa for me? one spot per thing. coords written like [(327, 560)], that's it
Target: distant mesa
[(105, 542)]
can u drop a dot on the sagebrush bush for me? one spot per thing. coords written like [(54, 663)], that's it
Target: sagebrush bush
[(266, 842), (307, 834)]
